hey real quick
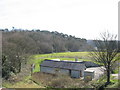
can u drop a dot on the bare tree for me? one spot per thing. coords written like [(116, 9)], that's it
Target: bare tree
[(106, 52)]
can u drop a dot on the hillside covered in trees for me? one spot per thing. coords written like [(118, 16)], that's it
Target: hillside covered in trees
[(37, 42), (18, 44)]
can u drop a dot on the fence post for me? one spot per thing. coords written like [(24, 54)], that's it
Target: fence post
[(32, 68)]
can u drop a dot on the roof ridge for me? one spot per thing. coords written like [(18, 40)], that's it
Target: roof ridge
[(63, 61)]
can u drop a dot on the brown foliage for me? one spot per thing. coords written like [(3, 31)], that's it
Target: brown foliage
[(57, 81)]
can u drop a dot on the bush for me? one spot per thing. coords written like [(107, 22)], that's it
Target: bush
[(57, 81)]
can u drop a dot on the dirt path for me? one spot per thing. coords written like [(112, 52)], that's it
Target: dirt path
[(115, 75), (98, 71)]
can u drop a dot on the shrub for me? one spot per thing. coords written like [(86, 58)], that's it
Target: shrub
[(57, 81)]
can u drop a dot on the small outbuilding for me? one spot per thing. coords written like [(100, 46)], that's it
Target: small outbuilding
[(88, 75), (71, 68)]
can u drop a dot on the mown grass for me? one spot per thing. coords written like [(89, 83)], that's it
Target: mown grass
[(37, 59), (68, 54)]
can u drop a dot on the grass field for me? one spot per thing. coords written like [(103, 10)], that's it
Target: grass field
[(37, 59)]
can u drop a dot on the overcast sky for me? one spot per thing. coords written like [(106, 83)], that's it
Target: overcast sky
[(82, 18)]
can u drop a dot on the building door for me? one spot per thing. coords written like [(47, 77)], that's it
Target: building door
[(80, 73), (70, 72)]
